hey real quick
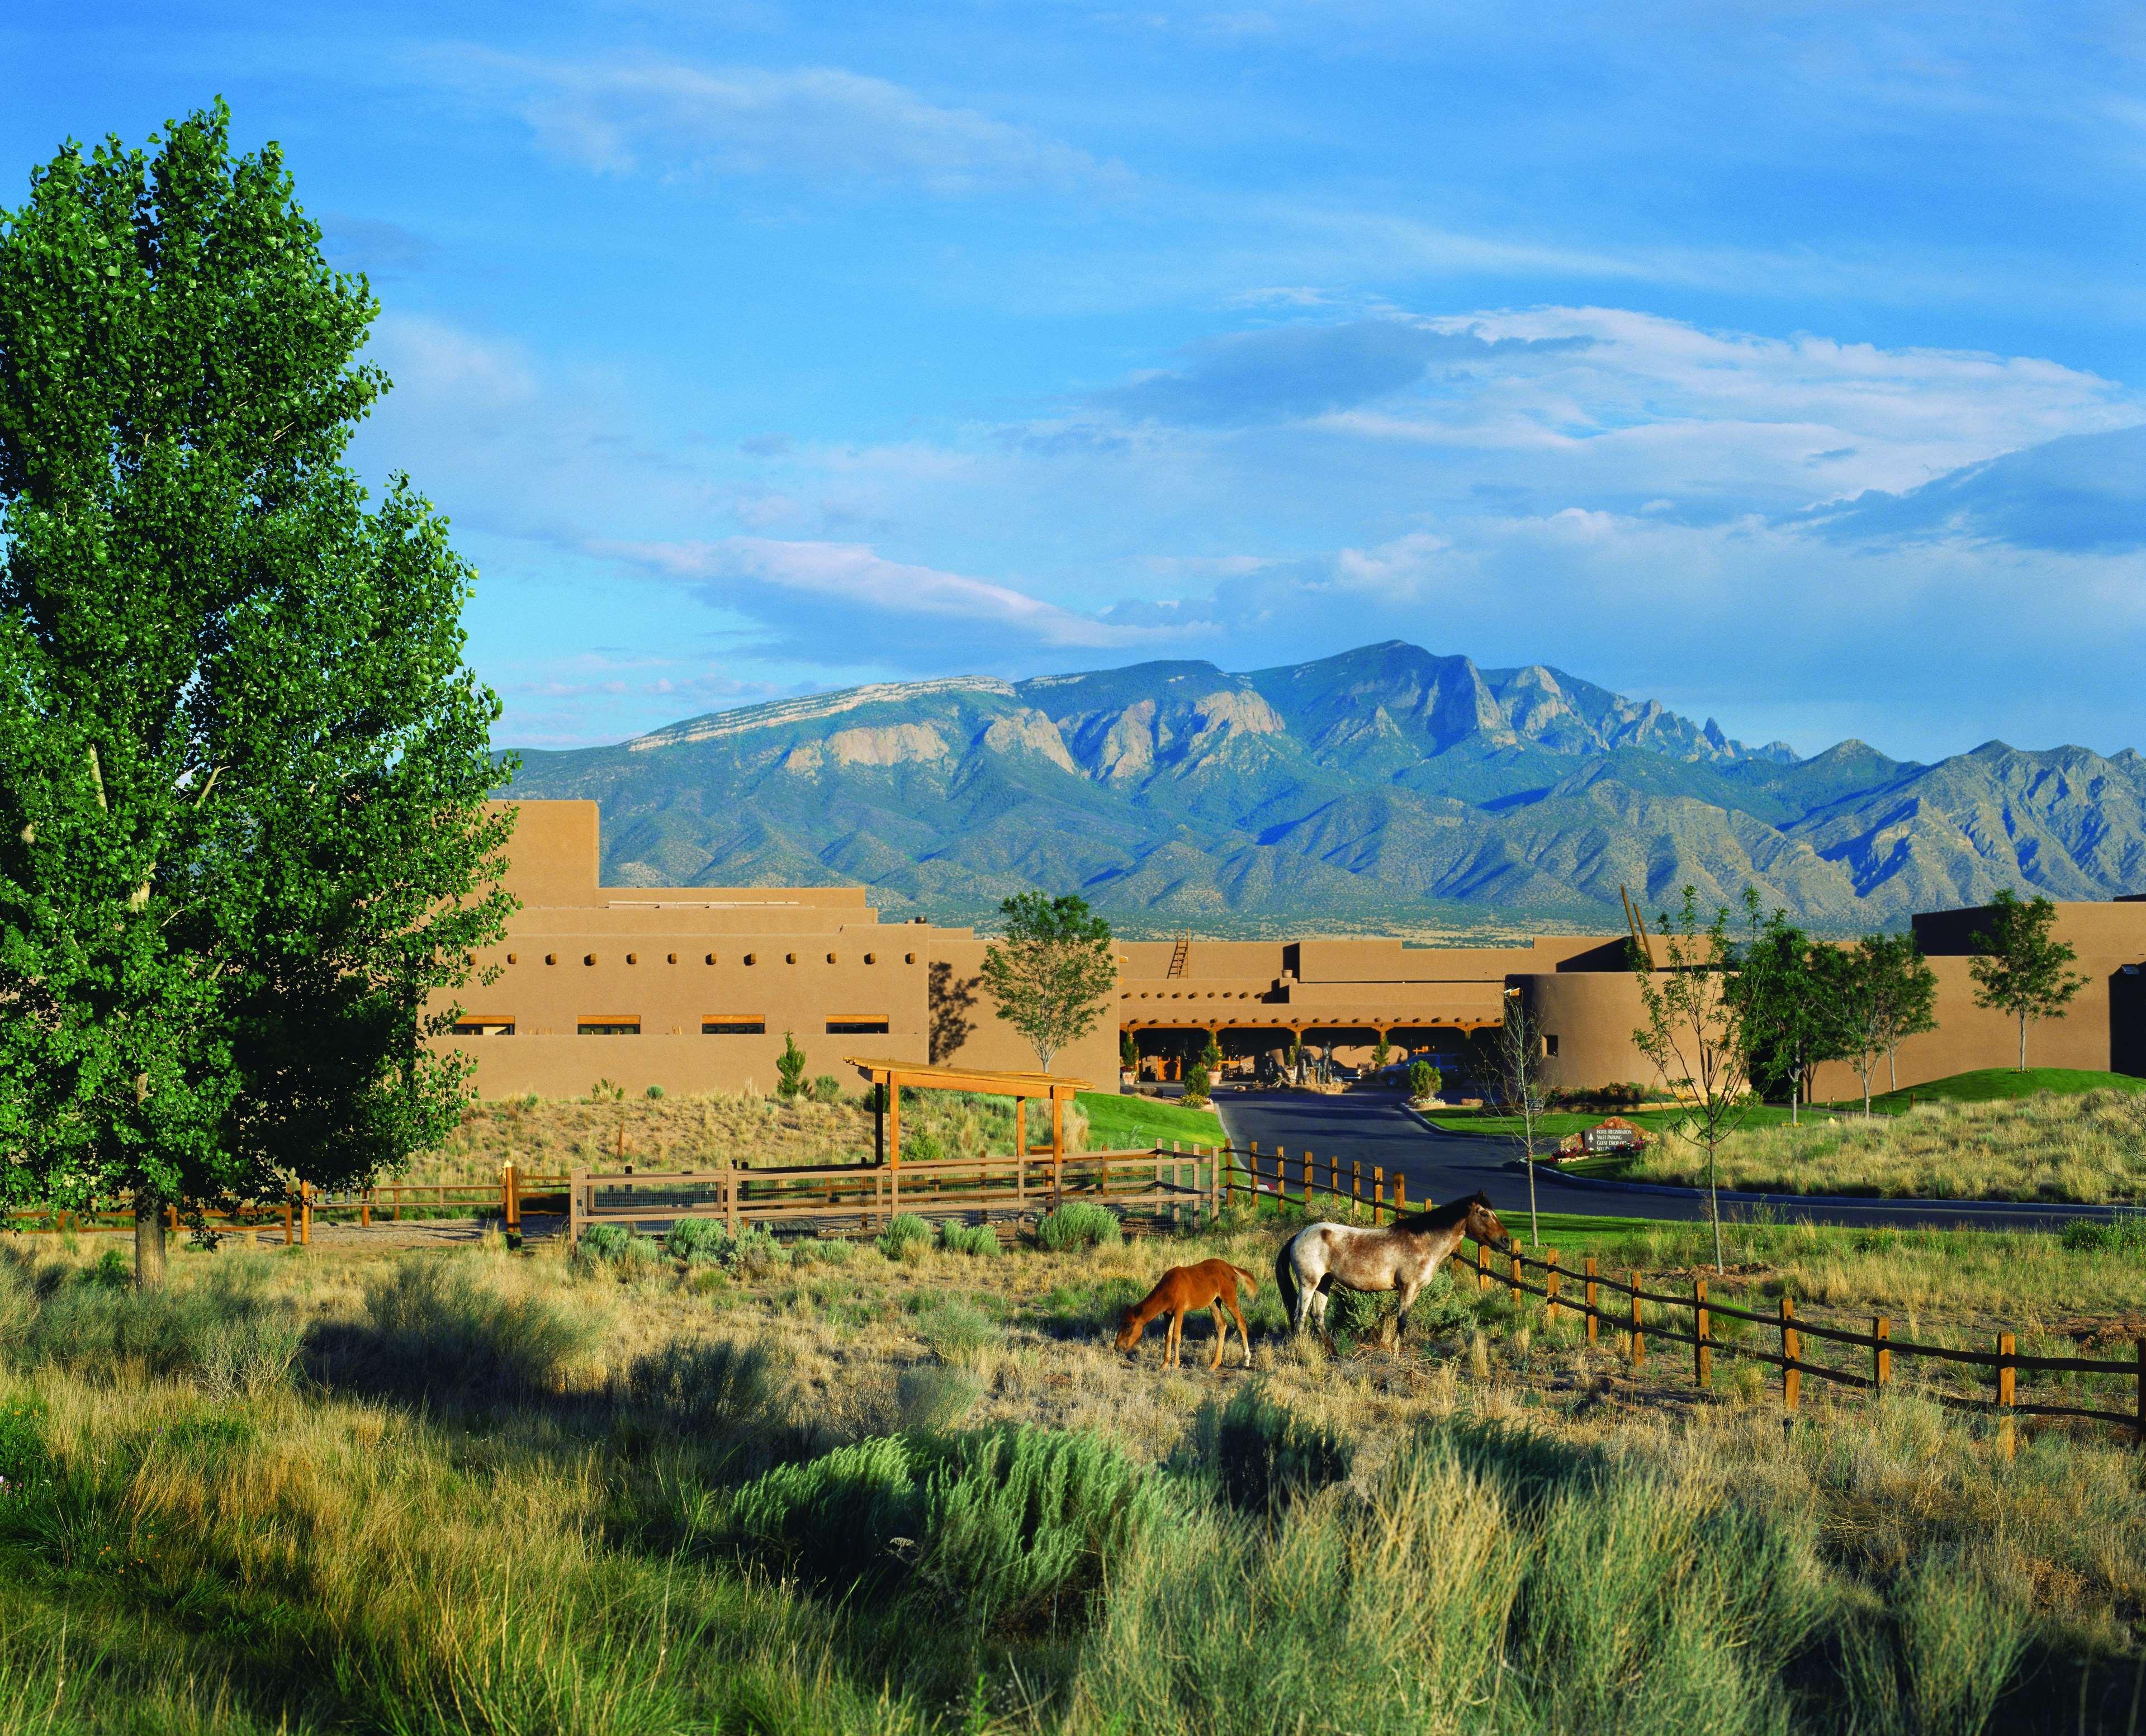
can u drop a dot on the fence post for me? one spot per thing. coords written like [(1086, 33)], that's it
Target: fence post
[(513, 1195), (1881, 1354), (1791, 1375), (1702, 1352), (365, 1210), (289, 1235), (305, 1217), (1400, 1196), (730, 1196), (2142, 1392), (1550, 1284), (1477, 1258), (1516, 1278), (2006, 1394), (575, 1182), (1355, 1184), (1638, 1338), (1593, 1323), (1378, 1191)]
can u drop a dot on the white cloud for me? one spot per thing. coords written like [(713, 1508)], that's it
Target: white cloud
[(844, 602), (672, 119)]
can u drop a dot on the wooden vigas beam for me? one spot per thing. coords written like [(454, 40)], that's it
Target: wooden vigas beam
[(893, 1075)]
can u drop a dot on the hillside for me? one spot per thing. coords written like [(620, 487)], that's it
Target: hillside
[(1384, 787)]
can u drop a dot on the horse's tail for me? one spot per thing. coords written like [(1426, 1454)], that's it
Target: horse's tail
[(1252, 1284), (1285, 1278)]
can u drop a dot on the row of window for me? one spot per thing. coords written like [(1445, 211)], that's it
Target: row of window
[(671, 958), (861, 1025)]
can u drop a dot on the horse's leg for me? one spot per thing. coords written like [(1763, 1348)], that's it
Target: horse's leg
[(1307, 1300), (1244, 1337), (1176, 1326), (1222, 1334), (1400, 1316)]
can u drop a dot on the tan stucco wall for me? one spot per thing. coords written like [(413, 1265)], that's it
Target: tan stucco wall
[(795, 957), (1592, 1014)]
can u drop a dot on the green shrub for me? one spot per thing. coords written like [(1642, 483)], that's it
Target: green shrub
[(1260, 1454), (697, 1242), (1003, 1526), (655, 1094), (811, 1249), (789, 1068), (436, 1327), (972, 1239), (826, 1088), (907, 1232), (932, 1397), (922, 1146), (1077, 1224), (752, 1253), (606, 1241), (1422, 1078), (221, 1332), (956, 1331), (704, 1383), (1198, 1085), (2125, 1233)]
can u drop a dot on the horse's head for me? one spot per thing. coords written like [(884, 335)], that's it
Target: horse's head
[(1483, 1226), (1130, 1329)]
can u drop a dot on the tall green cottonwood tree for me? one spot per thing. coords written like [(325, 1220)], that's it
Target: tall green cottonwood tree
[(242, 764)]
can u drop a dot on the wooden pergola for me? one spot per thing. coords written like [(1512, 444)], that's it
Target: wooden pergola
[(1021, 1087)]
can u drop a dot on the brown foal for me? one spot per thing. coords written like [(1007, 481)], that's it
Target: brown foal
[(1210, 1284)]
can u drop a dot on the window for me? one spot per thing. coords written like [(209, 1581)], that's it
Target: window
[(856, 1024), (1550, 1045), (733, 1024), (473, 1026), (609, 1024)]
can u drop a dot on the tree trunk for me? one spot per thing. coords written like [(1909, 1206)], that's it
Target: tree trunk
[(1713, 1204), (2023, 1042), (148, 1239), (1796, 1095), (1892, 1066)]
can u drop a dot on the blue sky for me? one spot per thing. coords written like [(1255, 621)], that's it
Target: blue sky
[(1783, 362)]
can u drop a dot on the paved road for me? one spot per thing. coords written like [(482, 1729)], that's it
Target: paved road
[(1369, 1128)]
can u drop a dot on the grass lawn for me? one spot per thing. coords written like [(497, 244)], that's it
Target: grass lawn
[(1555, 1125), (1989, 1085), (2087, 1146), (1126, 1122), (830, 1490)]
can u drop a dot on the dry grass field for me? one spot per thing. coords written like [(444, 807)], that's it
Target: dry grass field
[(2089, 1147), (830, 1488), (552, 1135)]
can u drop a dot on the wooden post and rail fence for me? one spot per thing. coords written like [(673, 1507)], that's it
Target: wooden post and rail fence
[(1999, 1368)]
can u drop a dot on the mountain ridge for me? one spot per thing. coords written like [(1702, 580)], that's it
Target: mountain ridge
[(1384, 786)]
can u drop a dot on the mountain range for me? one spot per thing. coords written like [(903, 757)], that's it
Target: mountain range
[(1386, 787)]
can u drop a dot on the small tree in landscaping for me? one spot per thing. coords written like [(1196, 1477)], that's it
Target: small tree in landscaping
[(1053, 972), (1904, 994), (2018, 967), (788, 1069), (1423, 1081), (1199, 1083), (1694, 1031), (1883, 991), (1790, 993), (1519, 1059), (1128, 1052), (1211, 1057), (1382, 1053)]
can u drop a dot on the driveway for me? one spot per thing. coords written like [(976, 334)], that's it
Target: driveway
[(1373, 1128)]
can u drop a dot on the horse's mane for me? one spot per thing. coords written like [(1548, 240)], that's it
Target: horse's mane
[(1438, 1217)]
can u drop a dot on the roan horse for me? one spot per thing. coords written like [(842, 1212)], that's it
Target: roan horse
[(1212, 1285), (1401, 1256)]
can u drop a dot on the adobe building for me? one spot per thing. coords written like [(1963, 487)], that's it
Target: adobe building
[(693, 989)]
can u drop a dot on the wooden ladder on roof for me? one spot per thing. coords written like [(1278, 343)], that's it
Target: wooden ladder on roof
[(1181, 954)]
